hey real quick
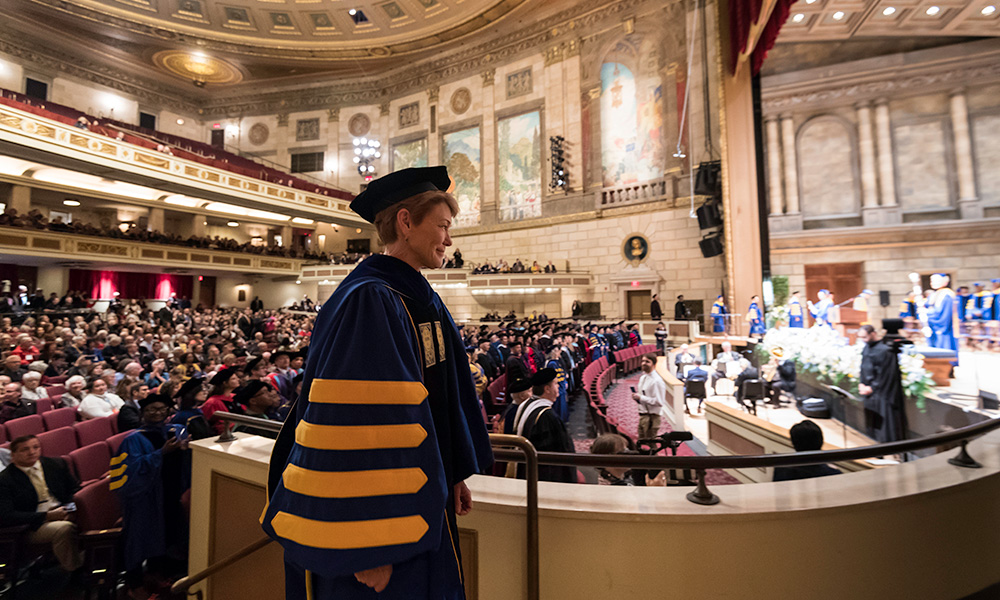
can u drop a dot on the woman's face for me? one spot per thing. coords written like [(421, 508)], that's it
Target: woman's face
[(431, 237), (100, 386), (30, 382), (76, 387)]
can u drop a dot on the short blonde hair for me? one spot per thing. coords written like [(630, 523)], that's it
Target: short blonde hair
[(419, 206)]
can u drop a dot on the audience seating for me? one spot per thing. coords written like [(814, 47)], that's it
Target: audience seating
[(93, 431), (47, 381), (98, 520), (55, 391), (43, 406), (60, 417), (58, 442), (115, 441), (29, 425), (694, 389), (91, 462), (496, 396), (3, 435), (751, 391)]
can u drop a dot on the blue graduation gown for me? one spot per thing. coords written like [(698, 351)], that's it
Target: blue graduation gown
[(388, 421), (148, 517), (561, 405), (795, 314), (756, 319), (963, 306), (597, 346), (719, 313), (821, 312), (908, 309), (941, 319)]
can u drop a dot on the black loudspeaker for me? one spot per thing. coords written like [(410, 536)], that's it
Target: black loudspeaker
[(988, 400), (883, 297), (709, 215), (711, 245), (708, 179)]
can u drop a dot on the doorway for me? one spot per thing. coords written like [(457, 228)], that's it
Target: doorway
[(638, 304), (845, 280)]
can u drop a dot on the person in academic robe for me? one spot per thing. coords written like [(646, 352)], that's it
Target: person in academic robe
[(260, 400), (598, 347), (281, 378), (485, 360), (796, 318), (561, 406), (996, 300), (224, 385), (982, 302), (515, 367), (908, 308), (536, 421), (719, 312), (881, 388), (821, 310), (860, 304), (151, 474), (964, 297), (388, 411), (655, 311), (941, 327), (755, 316), (681, 310)]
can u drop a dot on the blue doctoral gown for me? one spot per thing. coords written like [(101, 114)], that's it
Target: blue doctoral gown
[(597, 346), (795, 314), (148, 518), (963, 306), (941, 319), (561, 405), (756, 320), (362, 473), (719, 313), (821, 312)]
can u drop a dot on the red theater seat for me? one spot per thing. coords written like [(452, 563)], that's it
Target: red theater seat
[(60, 417), (91, 462), (115, 441), (58, 442), (30, 425), (93, 431)]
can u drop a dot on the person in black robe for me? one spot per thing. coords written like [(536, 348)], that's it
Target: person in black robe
[(515, 367), (536, 421), (681, 310), (655, 311), (880, 385)]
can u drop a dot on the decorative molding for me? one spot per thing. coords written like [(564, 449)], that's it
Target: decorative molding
[(282, 119), (258, 134), (489, 77), (359, 125), (383, 109), (461, 100), (920, 78), (519, 83), (409, 115), (554, 54), (433, 93), (333, 114), (306, 130)]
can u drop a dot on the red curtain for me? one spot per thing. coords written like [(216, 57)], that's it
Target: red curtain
[(156, 286), (742, 15)]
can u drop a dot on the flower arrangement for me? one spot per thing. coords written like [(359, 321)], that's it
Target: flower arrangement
[(826, 354)]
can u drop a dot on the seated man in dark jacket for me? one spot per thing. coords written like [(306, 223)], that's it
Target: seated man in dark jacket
[(34, 491), (806, 436)]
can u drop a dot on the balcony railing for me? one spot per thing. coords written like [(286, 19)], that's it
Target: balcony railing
[(68, 246), (34, 131), (654, 190)]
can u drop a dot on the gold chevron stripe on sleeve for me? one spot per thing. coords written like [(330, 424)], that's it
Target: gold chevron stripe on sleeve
[(348, 535), (114, 485), (354, 391), (119, 458), (359, 437), (353, 484), (117, 471)]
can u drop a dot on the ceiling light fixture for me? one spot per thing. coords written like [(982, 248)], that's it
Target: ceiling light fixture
[(352, 12), (798, 18), (988, 10), (71, 202), (933, 10), (839, 15), (180, 121), (233, 224), (810, 1), (889, 11)]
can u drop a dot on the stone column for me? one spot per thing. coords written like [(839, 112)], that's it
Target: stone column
[(968, 200), (488, 205), (866, 144), (433, 145), (883, 143), (154, 222), (198, 225), (331, 170), (774, 167), (791, 165), (19, 199)]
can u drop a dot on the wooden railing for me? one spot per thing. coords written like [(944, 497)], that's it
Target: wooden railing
[(32, 242)]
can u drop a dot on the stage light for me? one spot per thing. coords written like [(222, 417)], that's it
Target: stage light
[(889, 11)]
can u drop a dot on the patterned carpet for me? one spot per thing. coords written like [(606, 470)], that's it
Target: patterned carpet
[(626, 411)]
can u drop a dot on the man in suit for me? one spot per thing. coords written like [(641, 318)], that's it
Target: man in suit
[(34, 491)]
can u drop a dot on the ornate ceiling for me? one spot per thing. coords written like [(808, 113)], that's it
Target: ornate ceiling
[(826, 20)]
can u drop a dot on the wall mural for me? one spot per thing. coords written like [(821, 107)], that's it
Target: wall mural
[(409, 154), (631, 126), (520, 168), (461, 156)]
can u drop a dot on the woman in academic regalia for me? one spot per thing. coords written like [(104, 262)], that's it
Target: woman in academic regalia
[(389, 411)]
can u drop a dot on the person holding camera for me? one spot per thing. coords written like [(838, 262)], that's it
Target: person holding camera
[(614, 443), (151, 475)]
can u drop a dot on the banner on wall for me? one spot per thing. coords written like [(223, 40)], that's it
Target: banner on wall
[(519, 166)]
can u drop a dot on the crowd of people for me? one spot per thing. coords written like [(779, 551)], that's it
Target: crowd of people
[(34, 219), (501, 266)]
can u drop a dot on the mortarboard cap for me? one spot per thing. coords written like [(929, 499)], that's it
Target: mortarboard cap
[(867, 291), (252, 364), (153, 398), (398, 186), (191, 385), (994, 280), (520, 385), (543, 376), (277, 353), (222, 376), (250, 390)]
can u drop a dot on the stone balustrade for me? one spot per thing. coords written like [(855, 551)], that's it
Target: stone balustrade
[(653, 190)]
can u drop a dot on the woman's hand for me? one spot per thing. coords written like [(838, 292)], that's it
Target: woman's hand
[(376, 578), (463, 499)]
